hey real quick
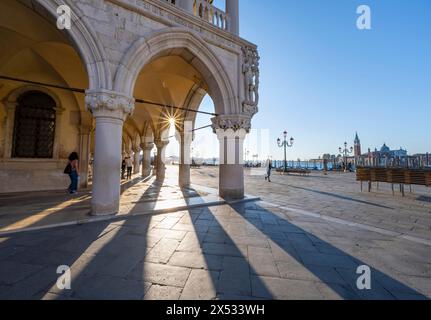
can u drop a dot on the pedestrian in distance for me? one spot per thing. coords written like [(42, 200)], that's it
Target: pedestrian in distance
[(72, 169), (129, 165), (268, 170), (123, 169)]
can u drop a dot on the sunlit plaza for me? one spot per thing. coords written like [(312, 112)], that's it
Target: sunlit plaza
[(304, 239), (151, 150)]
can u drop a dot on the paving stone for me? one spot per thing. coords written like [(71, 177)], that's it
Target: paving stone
[(160, 274), (326, 260), (224, 250), (13, 272), (88, 265), (33, 287), (196, 260), (284, 251), (217, 238), (54, 258), (235, 277), (296, 270), (168, 234), (168, 223), (261, 241), (262, 262), (191, 242), (10, 250), (162, 252), (27, 255), (336, 291), (201, 285), (111, 288), (122, 264), (284, 289), (158, 292)]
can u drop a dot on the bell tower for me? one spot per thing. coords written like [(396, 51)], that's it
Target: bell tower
[(357, 145)]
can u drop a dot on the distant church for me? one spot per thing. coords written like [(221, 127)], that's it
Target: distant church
[(384, 152)]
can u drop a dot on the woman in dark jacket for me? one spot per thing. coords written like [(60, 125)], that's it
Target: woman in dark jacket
[(73, 172)]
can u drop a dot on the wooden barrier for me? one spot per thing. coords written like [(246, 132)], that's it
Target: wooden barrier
[(401, 176)]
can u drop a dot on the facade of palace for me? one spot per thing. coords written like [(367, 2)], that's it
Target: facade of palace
[(140, 63)]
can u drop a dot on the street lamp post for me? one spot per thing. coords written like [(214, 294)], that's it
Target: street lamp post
[(345, 152), (285, 144)]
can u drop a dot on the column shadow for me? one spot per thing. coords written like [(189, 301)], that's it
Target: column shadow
[(329, 194), (101, 256), (227, 264), (321, 258)]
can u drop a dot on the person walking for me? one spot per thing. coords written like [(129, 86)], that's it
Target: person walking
[(72, 169), (123, 169), (268, 170), (129, 164)]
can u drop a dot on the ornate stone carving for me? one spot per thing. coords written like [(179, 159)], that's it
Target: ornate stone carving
[(161, 144), (104, 103), (233, 122), (250, 70), (148, 146)]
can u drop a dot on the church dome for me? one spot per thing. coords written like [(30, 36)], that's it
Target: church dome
[(385, 148)]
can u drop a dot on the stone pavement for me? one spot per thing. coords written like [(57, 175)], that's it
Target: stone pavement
[(338, 195), (278, 250), (36, 210)]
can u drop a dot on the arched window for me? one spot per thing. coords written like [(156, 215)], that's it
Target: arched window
[(34, 128)]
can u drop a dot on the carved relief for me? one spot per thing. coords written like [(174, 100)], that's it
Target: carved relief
[(250, 70), (109, 104), (233, 122)]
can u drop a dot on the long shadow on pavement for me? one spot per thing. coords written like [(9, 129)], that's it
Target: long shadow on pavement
[(336, 196), (294, 247), (100, 256), (222, 270)]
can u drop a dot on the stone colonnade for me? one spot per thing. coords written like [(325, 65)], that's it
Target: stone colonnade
[(110, 110)]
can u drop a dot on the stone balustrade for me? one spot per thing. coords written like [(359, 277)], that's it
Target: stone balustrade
[(206, 11)]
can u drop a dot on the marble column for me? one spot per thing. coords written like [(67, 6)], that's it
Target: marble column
[(136, 160), (185, 139), (231, 132), (110, 109), (160, 159), (232, 10), (84, 154), (146, 159)]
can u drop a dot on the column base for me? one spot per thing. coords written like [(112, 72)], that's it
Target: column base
[(161, 173), (105, 209), (232, 194), (184, 176), (146, 173), (231, 181)]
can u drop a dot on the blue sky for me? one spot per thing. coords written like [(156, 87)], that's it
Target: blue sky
[(322, 79)]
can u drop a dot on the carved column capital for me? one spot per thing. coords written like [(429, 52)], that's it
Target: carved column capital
[(231, 122), (147, 146), (109, 104), (161, 144)]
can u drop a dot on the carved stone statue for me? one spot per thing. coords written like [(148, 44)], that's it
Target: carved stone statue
[(250, 70)]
